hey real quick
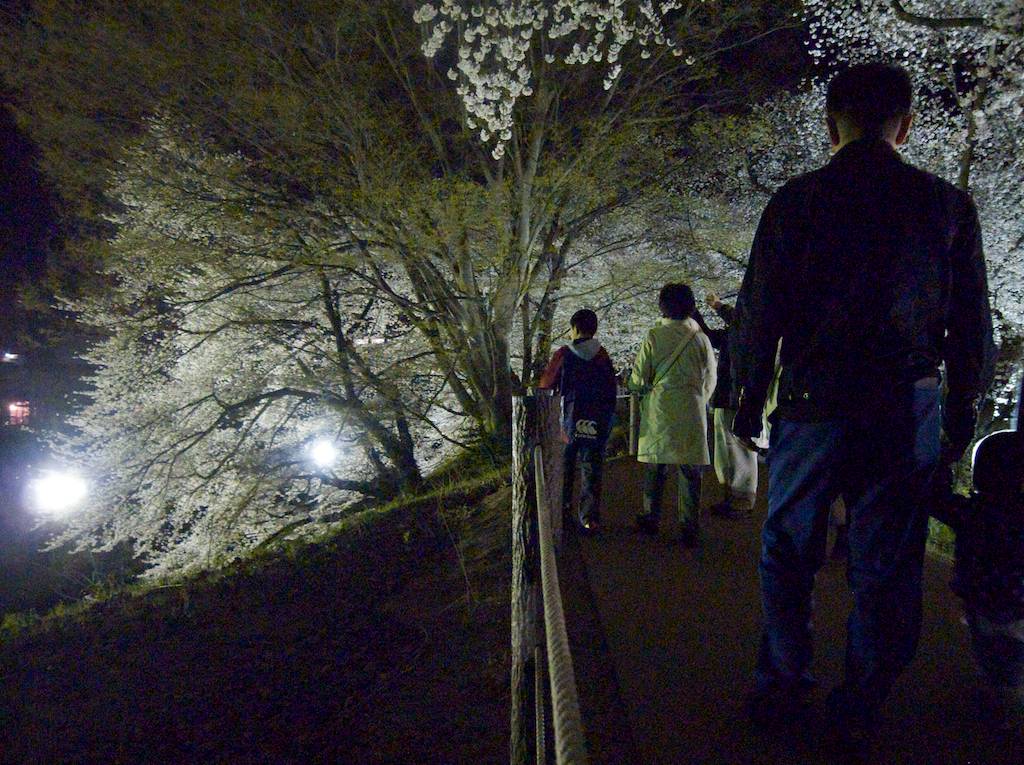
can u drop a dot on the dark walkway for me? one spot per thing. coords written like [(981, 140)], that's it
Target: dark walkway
[(683, 629)]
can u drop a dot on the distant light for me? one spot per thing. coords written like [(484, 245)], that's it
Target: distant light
[(324, 453), (9, 357), (18, 412), (57, 492)]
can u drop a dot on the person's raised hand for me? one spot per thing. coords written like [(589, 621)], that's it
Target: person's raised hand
[(712, 300)]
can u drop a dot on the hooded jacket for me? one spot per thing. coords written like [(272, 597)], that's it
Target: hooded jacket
[(597, 383)]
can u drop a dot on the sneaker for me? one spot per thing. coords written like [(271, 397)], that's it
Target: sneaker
[(647, 524), (727, 510)]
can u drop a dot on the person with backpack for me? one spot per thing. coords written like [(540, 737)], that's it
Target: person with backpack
[(870, 272), (583, 375), (675, 374)]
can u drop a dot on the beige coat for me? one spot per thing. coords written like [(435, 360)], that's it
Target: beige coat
[(673, 415)]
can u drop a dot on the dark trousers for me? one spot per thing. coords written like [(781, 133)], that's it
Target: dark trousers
[(881, 463), (688, 479), (999, 650), (590, 459)]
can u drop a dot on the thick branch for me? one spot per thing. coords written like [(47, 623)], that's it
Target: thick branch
[(944, 22)]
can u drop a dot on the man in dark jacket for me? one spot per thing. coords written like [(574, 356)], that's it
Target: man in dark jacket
[(583, 374), (871, 273)]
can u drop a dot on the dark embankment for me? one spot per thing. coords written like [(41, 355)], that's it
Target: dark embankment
[(386, 644)]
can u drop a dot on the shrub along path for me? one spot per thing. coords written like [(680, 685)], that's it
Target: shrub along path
[(683, 629)]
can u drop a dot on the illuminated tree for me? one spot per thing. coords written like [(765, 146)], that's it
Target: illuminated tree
[(258, 184), (337, 103), (234, 347)]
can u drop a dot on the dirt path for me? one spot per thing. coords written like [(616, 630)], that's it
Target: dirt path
[(683, 629)]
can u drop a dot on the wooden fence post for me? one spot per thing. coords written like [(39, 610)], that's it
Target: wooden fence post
[(549, 435), (525, 575)]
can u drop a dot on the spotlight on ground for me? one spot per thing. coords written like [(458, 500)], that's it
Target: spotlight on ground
[(324, 453), (57, 492)]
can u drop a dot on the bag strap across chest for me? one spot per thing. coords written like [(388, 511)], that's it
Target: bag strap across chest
[(666, 366)]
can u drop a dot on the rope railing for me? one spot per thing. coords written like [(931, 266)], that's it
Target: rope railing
[(541, 657), (570, 745)]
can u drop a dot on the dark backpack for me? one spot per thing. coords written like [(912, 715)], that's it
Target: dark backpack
[(586, 408)]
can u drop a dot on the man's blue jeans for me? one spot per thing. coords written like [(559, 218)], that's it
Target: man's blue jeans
[(881, 463)]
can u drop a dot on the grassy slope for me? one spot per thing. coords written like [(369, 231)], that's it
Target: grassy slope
[(368, 648)]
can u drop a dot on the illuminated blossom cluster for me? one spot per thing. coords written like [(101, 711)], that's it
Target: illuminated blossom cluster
[(971, 49), (499, 45)]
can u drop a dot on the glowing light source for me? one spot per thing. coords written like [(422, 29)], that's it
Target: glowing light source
[(57, 492), (324, 453), (18, 412), (9, 357)]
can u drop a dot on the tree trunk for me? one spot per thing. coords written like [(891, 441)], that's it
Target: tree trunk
[(525, 571)]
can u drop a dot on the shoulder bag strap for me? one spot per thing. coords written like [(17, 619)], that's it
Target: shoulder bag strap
[(667, 365)]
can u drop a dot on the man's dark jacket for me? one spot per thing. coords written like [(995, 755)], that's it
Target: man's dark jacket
[(872, 273), (724, 396)]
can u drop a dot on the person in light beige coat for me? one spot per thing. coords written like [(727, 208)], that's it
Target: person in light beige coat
[(675, 373)]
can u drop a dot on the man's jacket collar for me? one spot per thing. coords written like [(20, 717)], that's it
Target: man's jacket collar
[(865, 149)]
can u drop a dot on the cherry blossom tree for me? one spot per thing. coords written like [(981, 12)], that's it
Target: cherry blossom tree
[(338, 103), (235, 347), (261, 187)]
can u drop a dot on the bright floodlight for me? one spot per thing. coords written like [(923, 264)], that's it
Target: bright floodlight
[(324, 453), (57, 493)]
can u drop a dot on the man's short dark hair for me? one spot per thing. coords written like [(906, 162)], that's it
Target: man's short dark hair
[(585, 322), (869, 96), (676, 301)]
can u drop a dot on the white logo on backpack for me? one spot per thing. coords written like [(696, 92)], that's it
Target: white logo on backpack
[(587, 428)]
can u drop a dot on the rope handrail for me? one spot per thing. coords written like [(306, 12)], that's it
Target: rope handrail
[(546, 724), (570, 743)]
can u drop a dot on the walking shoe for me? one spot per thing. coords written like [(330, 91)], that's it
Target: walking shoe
[(722, 508), (647, 524), (727, 510), (589, 527)]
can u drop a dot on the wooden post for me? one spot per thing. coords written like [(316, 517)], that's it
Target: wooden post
[(549, 435), (525, 575), (634, 423)]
